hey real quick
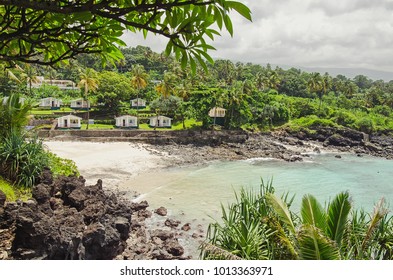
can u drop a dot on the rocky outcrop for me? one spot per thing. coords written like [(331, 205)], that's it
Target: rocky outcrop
[(65, 219), (349, 140)]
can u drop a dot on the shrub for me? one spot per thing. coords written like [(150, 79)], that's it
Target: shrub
[(260, 225), (22, 160), (344, 118), (313, 120), (301, 107), (13, 114), (382, 110), (61, 166), (365, 125)]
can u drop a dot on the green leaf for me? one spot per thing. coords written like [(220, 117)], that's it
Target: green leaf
[(202, 63), (208, 57), (379, 212), (228, 24), (313, 245), (313, 213), (240, 8), (337, 217), (168, 49), (281, 208), (184, 60), (193, 65), (144, 31), (218, 17)]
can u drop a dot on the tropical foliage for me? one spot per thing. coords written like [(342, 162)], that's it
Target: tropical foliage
[(61, 166), (14, 112), (255, 97), (23, 156), (47, 32), (262, 226), (22, 160)]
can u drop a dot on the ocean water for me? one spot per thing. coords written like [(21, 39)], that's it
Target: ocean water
[(195, 194)]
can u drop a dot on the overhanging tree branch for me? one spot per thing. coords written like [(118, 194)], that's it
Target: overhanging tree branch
[(47, 31)]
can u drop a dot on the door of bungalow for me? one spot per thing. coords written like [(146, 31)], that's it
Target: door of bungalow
[(65, 123), (124, 122)]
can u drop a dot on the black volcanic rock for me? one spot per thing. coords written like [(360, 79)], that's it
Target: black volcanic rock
[(65, 219)]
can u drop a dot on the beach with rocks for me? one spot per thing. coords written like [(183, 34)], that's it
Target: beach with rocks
[(97, 206)]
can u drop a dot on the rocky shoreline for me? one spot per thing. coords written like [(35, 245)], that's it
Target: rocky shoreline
[(65, 219), (284, 145)]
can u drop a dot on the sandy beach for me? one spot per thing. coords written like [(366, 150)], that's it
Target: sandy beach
[(113, 162)]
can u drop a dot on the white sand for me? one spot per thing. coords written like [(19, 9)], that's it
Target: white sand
[(113, 162)]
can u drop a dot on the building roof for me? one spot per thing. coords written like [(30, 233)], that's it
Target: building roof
[(155, 117), (69, 116), (123, 116)]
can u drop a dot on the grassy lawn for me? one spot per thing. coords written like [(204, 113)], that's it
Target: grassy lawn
[(98, 126), (39, 111), (191, 123)]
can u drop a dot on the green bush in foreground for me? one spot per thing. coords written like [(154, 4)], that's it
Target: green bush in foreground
[(22, 160), (262, 226)]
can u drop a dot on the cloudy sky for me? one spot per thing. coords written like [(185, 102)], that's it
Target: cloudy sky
[(306, 33)]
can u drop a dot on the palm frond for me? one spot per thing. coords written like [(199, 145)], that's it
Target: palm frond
[(313, 213), (314, 245), (337, 217), (281, 208), (379, 212)]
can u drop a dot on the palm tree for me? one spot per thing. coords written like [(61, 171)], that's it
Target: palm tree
[(260, 81), (139, 79), (317, 85), (350, 89), (88, 81), (9, 72), (30, 76), (167, 87), (273, 80)]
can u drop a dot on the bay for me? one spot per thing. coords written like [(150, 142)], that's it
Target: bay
[(196, 193)]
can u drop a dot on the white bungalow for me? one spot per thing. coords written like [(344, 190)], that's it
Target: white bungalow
[(50, 102), (39, 81), (217, 112), (80, 104), (138, 103), (218, 115), (160, 121), (69, 121), (127, 121)]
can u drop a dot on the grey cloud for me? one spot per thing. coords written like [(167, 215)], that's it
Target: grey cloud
[(312, 33), (338, 7)]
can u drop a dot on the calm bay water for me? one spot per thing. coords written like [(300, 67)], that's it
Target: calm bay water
[(197, 192)]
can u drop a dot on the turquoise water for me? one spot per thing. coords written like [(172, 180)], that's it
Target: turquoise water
[(198, 192)]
